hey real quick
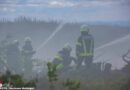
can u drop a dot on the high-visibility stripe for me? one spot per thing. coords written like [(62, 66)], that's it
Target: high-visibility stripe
[(84, 46), (88, 49), (60, 66), (86, 54), (84, 30), (79, 44), (59, 57)]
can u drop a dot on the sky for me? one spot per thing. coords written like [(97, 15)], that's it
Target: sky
[(67, 10)]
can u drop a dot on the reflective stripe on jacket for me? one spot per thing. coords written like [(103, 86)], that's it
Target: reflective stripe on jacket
[(85, 54), (59, 57)]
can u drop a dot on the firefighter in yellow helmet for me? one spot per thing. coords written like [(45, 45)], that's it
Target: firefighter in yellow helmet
[(84, 47), (63, 58)]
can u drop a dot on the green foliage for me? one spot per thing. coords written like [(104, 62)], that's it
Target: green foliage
[(126, 86), (72, 84), (4, 78), (52, 75), (31, 83), (17, 80)]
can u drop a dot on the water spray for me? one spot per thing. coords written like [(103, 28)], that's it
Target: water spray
[(113, 42), (59, 28), (110, 44)]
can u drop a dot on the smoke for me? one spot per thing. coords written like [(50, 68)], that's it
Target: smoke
[(51, 36), (113, 42)]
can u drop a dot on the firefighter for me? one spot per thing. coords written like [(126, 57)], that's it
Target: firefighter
[(84, 47), (63, 59), (27, 54), (14, 57)]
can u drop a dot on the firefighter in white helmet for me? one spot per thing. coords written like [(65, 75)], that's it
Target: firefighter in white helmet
[(85, 47)]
